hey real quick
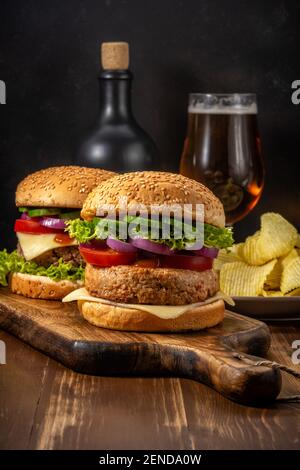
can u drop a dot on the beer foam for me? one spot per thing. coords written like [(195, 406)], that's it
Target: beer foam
[(201, 108)]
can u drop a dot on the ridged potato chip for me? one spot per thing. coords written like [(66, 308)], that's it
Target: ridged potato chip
[(250, 249), (276, 238), (240, 279), (272, 293), (294, 292), (237, 248), (290, 279), (288, 258), (274, 278), (229, 255), (297, 244)]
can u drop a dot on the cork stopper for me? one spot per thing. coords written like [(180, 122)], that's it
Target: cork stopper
[(115, 55)]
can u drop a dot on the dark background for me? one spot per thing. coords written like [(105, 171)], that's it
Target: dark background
[(49, 59)]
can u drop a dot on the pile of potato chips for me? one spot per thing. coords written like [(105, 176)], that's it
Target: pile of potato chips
[(266, 264)]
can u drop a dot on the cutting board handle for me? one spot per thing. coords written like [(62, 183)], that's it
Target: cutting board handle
[(226, 373)]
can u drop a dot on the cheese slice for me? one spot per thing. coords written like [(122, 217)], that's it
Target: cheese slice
[(162, 311), (35, 245)]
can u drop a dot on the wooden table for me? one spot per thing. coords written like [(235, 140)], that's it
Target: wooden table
[(43, 405)]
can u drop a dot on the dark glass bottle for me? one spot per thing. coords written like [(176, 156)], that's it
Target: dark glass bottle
[(117, 142)]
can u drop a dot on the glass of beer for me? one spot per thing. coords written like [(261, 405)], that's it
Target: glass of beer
[(222, 150)]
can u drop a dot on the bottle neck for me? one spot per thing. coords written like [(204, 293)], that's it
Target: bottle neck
[(115, 96)]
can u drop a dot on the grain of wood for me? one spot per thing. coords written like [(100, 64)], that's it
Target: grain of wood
[(65, 420), (114, 413), (21, 384), (281, 351), (44, 405), (208, 356)]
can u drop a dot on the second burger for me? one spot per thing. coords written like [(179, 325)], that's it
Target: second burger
[(47, 263)]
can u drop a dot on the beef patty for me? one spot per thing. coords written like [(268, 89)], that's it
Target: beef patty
[(154, 286)]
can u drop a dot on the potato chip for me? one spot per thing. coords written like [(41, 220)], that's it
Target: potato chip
[(297, 244), (240, 279), (285, 260), (250, 249), (274, 278), (290, 279), (228, 255), (272, 293), (237, 248), (294, 292), (223, 258), (276, 238)]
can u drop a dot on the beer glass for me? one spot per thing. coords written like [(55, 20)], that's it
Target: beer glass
[(222, 150)]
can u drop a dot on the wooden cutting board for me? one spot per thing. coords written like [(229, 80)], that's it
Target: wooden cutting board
[(207, 356)]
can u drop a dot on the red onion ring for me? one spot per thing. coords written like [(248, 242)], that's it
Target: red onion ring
[(53, 222), (120, 245), (25, 216), (148, 245)]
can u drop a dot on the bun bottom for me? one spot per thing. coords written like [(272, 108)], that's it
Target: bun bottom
[(41, 287), (128, 319)]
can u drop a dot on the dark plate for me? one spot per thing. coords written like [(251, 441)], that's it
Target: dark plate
[(268, 308)]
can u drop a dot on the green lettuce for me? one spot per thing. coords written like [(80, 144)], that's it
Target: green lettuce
[(82, 230), (14, 263), (85, 231), (218, 237)]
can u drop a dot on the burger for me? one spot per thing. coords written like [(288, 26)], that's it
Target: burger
[(47, 263), (142, 281)]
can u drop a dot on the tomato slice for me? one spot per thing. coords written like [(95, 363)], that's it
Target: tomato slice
[(148, 262), (63, 238), (194, 263), (30, 226), (106, 257)]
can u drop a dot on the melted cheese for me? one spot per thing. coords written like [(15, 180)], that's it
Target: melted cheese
[(35, 245), (161, 311)]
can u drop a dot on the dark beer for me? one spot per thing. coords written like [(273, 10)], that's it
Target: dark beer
[(222, 150)]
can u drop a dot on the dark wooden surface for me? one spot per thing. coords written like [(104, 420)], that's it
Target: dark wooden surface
[(206, 356), (43, 405)]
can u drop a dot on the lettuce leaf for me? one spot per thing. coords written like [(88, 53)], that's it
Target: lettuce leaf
[(97, 228), (14, 263), (82, 230), (218, 237)]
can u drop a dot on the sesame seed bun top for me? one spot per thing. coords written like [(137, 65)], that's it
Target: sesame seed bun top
[(60, 186), (153, 187)]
